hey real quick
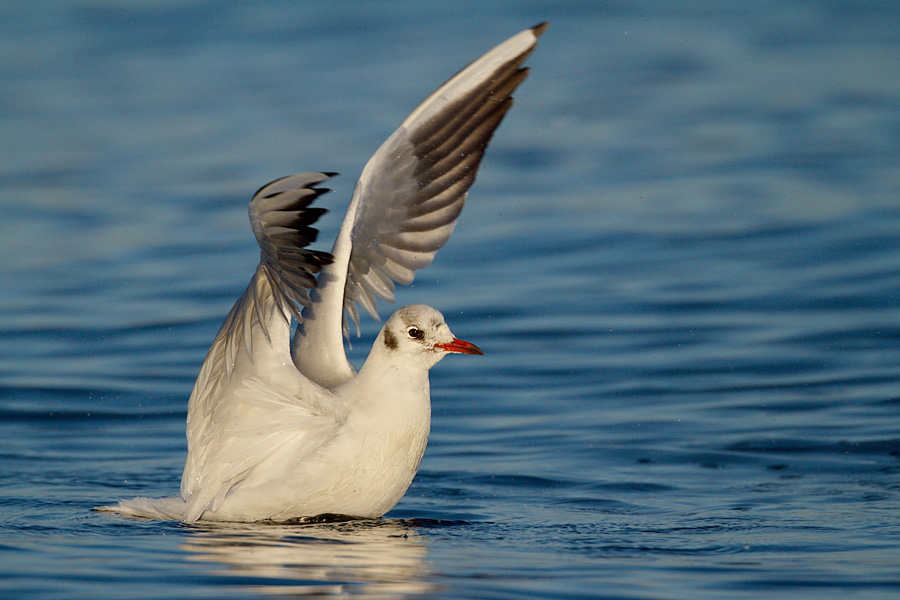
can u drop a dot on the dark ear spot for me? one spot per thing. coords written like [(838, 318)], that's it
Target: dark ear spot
[(389, 340)]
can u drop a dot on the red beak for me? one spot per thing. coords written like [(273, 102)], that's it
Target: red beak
[(460, 346)]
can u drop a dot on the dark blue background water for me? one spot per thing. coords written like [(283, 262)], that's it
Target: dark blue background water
[(682, 259)]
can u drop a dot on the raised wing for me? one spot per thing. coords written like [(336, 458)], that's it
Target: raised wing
[(248, 392), (406, 202), (282, 219)]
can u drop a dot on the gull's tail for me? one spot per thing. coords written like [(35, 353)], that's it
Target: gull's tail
[(168, 509)]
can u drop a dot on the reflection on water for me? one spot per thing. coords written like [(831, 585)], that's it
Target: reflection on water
[(375, 559)]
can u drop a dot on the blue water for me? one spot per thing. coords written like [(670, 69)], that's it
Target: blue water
[(681, 257)]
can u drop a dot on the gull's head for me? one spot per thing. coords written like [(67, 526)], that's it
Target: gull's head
[(418, 334)]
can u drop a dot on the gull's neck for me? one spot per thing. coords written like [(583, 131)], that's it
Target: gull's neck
[(387, 380)]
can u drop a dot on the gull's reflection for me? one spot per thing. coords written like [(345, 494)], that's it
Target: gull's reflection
[(374, 559)]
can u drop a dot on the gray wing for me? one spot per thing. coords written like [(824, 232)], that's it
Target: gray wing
[(282, 219), (249, 399), (407, 200)]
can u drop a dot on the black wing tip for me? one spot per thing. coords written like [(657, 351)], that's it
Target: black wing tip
[(540, 28), (310, 185), (322, 258)]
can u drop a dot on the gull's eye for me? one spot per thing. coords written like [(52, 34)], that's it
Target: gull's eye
[(414, 333)]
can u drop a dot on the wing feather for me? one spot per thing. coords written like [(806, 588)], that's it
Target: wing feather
[(249, 402), (282, 219), (406, 203)]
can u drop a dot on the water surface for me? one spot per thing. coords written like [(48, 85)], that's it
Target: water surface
[(681, 257)]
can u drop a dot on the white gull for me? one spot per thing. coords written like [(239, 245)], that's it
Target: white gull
[(282, 429)]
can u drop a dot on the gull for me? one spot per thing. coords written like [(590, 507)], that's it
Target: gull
[(282, 428)]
